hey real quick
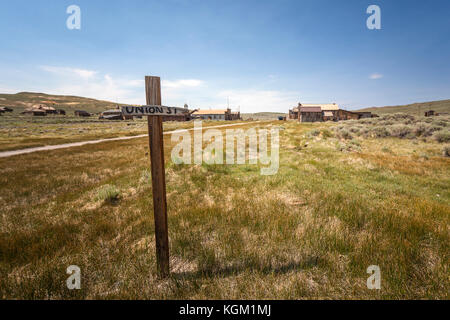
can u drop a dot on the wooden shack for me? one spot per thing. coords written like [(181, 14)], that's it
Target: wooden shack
[(114, 114), (34, 112), (347, 115), (218, 114), (45, 108), (5, 109), (81, 113), (310, 114), (235, 115), (364, 115), (328, 116), (293, 113)]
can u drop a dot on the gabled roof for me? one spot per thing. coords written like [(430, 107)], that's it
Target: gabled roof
[(217, 111), (115, 111), (310, 109), (323, 106), (42, 107)]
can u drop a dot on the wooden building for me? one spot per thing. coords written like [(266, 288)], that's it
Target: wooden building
[(328, 116), (347, 115), (293, 113), (5, 109), (218, 114), (45, 108), (81, 113), (235, 115), (331, 109), (310, 114), (364, 115), (328, 112), (34, 112), (114, 114)]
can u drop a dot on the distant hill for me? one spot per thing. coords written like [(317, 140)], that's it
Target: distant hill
[(414, 109), (23, 100), (262, 115)]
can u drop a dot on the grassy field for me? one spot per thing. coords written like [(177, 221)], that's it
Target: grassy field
[(341, 201), (263, 115), (20, 131), (417, 109)]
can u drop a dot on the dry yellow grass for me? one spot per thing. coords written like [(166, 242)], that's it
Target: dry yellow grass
[(310, 231)]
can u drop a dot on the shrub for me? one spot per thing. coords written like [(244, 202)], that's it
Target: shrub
[(386, 123), (424, 156), (354, 129), (344, 134), (403, 117), (340, 146), (368, 121), (108, 193), (327, 133), (352, 145), (446, 150), (420, 129), (424, 129), (363, 131), (400, 131), (440, 122), (380, 132), (442, 136), (313, 133)]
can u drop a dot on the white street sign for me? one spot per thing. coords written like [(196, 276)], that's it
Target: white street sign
[(152, 111)]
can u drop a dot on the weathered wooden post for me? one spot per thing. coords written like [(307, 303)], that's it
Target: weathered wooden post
[(155, 134), (155, 112)]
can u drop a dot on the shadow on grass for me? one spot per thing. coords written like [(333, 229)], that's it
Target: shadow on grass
[(234, 270)]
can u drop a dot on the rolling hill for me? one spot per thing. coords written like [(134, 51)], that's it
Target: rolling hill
[(23, 100), (414, 109)]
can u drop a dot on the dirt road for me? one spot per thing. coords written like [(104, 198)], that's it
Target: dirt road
[(5, 154)]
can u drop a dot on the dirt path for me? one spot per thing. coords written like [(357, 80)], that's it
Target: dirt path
[(5, 154)]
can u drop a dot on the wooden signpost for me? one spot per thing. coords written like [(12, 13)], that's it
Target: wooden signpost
[(155, 111)]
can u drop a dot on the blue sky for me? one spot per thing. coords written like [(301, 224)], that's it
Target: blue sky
[(263, 55)]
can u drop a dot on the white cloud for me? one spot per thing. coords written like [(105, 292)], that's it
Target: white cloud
[(195, 92), (92, 84), (7, 90), (375, 76), (182, 83), (253, 100), (65, 71)]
